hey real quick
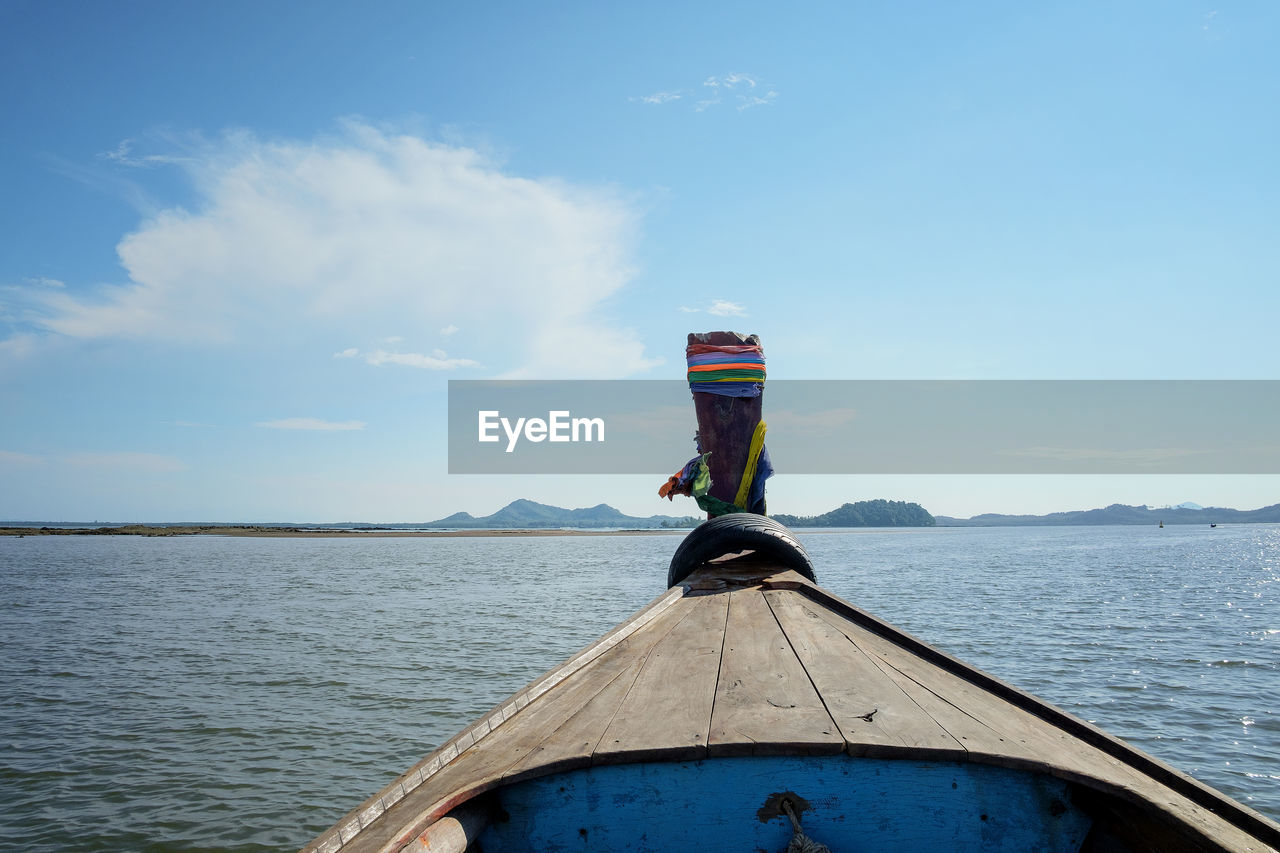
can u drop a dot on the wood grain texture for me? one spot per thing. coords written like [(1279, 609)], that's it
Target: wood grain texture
[(765, 703), (544, 728), (875, 715), (995, 731), (747, 661), (667, 713)]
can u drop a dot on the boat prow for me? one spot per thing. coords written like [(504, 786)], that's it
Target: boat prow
[(747, 691)]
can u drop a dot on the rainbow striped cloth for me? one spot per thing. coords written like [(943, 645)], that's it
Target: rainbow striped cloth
[(732, 371)]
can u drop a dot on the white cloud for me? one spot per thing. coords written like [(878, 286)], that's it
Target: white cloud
[(18, 347), (739, 88), (10, 458), (449, 330), (312, 424), (123, 460), (718, 307), (824, 423), (723, 308), (729, 81), (660, 97), (150, 463), (309, 242), (746, 102), (438, 360), (45, 282), (123, 155)]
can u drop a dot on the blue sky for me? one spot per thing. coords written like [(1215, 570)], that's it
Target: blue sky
[(246, 245)]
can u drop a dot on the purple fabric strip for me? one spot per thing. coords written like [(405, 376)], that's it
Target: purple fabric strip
[(727, 389), (725, 358)]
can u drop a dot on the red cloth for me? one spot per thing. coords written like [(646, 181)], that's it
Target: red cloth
[(699, 349)]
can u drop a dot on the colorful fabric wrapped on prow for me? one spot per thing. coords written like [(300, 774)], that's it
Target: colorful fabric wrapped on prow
[(732, 371)]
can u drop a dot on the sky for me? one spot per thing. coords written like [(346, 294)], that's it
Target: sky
[(244, 246)]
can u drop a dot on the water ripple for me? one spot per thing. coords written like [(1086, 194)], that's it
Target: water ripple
[(242, 694)]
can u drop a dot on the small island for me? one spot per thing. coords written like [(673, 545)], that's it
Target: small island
[(875, 513)]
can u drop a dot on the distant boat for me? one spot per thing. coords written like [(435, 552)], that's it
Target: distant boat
[(747, 706), (1161, 524), (1213, 524)]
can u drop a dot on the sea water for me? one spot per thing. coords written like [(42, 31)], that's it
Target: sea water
[(211, 693)]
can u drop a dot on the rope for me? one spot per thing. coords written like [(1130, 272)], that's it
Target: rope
[(800, 843)]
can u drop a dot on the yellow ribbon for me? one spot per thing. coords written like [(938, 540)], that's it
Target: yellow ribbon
[(749, 473)]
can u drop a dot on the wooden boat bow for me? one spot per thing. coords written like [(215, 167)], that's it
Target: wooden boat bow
[(743, 660)]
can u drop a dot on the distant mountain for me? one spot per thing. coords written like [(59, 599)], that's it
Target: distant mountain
[(876, 513), (524, 514), (1122, 514)]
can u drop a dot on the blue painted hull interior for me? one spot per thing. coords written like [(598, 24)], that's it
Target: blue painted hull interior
[(854, 804)]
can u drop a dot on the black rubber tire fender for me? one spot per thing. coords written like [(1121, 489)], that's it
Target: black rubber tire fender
[(738, 531)]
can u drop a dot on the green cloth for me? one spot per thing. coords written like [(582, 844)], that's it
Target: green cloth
[(716, 507), (707, 503), (702, 481), (735, 375)]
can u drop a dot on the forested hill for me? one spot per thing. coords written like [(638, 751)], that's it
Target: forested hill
[(1122, 514), (876, 513), (522, 514)]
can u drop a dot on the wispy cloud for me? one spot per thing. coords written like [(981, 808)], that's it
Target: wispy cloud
[(742, 91), (123, 460), (659, 98), (311, 243), (45, 282), (449, 330), (820, 424), (1137, 455), (437, 360), (124, 155), (746, 102), (723, 308), (718, 308), (151, 463), (9, 457), (312, 424)]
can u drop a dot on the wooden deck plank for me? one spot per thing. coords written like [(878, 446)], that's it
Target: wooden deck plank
[(765, 703), (519, 748), (984, 723), (996, 731), (642, 692), (571, 744), (667, 712), (875, 715)]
